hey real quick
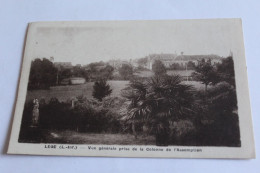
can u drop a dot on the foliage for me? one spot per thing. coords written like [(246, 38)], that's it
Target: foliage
[(223, 97), (159, 68), (86, 116), (191, 65), (64, 74), (100, 70), (217, 123), (43, 74), (176, 66), (101, 89), (141, 68), (159, 101), (93, 66), (126, 71), (79, 72), (226, 70), (206, 73), (142, 61), (221, 125), (162, 106), (107, 72)]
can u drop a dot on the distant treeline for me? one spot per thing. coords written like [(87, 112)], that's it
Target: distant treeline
[(44, 74)]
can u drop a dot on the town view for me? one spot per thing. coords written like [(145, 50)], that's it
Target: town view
[(160, 99)]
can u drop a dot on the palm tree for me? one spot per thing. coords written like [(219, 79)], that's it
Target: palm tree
[(159, 101)]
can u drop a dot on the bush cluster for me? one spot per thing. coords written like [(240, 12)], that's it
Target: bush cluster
[(86, 116)]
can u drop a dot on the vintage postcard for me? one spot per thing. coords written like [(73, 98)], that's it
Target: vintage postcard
[(173, 89)]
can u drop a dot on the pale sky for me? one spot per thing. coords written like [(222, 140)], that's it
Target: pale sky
[(100, 41)]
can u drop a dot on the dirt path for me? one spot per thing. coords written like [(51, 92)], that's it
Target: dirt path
[(72, 137)]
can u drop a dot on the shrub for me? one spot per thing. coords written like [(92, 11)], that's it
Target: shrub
[(101, 89), (86, 116)]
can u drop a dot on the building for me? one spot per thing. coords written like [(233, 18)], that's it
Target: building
[(77, 80), (63, 65), (118, 63), (167, 59), (182, 60), (73, 81)]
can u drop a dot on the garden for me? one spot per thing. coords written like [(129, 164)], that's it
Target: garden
[(159, 110)]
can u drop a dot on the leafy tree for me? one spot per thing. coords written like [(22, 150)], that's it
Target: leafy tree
[(93, 66), (226, 70), (206, 73), (175, 66), (221, 111), (191, 65), (107, 72), (223, 98), (101, 89), (64, 73), (79, 72), (43, 74), (141, 68), (100, 70), (142, 61), (159, 101), (126, 71), (159, 68)]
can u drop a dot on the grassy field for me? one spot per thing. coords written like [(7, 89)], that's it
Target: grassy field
[(72, 137), (169, 72), (63, 93)]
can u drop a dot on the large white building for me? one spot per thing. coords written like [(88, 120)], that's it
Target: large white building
[(182, 60)]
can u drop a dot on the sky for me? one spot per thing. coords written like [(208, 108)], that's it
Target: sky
[(83, 43)]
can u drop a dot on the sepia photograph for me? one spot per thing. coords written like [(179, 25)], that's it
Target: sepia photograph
[(153, 84)]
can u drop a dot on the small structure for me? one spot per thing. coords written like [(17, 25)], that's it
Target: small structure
[(77, 80), (73, 100), (35, 112), (73, 81)]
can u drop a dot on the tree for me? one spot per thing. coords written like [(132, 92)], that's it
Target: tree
[(159, 68), (220, 108), (206, 73), (101, 89), (142, 61), (107, 72), (159, 101), (226, 70), (126, 71), (191, 65), (79, 72), (175, 66), (64, 73), (43, 74)]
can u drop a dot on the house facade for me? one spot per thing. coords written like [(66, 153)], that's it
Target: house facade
[(169, 59)]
